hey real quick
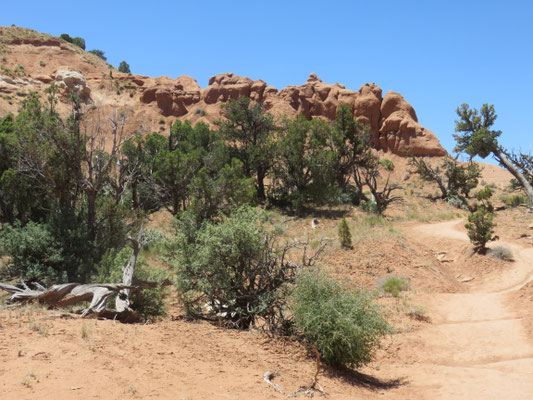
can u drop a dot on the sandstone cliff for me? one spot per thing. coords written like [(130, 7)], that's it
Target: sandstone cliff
[(31, 61)]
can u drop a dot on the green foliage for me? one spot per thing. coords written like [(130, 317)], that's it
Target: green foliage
[(99, 53), (345, 236), (370, 207), (305, 168), (249, 131), (78, 41), (514, 200), (58, 249), (454, 180), (458, 202), (349, 143), (33, 252), (124, 67), (232, 270), (480, 224), (393, 285), (343, 323), (66, 37), (387, 164), (474, 136)]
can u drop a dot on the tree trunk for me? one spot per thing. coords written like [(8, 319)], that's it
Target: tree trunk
[(502, 158), (261, 185), (91, 214), (122, 301), (134, 195)]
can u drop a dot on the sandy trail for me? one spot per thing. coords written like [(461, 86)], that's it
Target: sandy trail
[(476, 347)]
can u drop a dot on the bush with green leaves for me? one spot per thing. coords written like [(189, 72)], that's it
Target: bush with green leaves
[(345, 236), (233, 270), (342, 322), (33, 252), (58, 250), (78, 41), (514, 200), (480, 224), (394, 285)]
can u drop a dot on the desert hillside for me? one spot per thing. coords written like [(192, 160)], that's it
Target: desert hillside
[(250, 253), (31, 61)]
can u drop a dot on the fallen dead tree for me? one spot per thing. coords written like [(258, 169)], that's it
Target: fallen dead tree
[(98, 294), (67, 294)]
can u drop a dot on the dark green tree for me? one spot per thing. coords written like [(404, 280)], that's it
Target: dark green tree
[(452, 177), (79, 41), (124, 67), (305, 170), (476, 138), (349, 141), (99, 53), (345, 236), (480, 224), (249, 130)]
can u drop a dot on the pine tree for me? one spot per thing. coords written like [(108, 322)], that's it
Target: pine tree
[(480, 223), (345, 237)]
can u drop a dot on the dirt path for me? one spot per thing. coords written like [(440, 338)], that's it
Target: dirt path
[(476, 347)]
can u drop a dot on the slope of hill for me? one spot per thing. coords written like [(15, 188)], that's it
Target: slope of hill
[(31, 61)]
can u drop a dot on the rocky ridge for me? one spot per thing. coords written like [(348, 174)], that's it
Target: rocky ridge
[(30, 61)]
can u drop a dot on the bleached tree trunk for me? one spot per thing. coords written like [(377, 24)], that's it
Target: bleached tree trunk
[(122, 303), (511, 167)]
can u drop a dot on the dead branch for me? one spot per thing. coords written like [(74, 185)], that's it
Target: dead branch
[(67, 294), (307, 390)]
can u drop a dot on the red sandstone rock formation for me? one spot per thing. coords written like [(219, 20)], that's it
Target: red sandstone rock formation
[(392, 121)]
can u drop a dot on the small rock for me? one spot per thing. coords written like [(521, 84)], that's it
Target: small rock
[(467, 279), (442, 257)]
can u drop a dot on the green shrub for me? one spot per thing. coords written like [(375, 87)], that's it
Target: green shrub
[(370, 207), (345, 236), (501, 253), (233, 270), (514, 200), (480, 224), (80, 42), (457, 201), (59, 250), (33, 252), (393, 285), (344, 324), (100, 54)]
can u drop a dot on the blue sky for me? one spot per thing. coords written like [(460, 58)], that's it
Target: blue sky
[(436, 54)]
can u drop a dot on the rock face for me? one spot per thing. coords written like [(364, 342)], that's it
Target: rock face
[(32, 61), (391, 119), (72, 81), (400, 131), (172, 96)]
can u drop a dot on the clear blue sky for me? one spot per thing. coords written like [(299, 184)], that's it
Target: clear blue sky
[(437, 54)]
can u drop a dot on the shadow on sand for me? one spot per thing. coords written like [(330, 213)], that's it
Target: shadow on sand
[(369, 382)]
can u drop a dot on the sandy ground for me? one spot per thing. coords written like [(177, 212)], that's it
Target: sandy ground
[(475, 347)]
